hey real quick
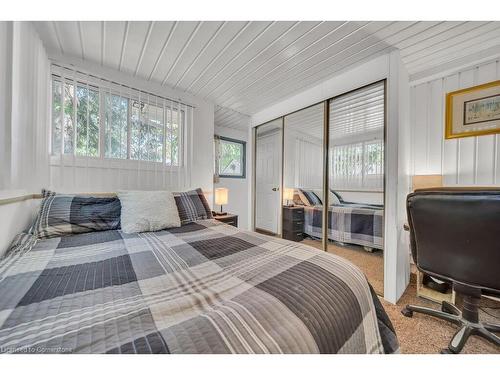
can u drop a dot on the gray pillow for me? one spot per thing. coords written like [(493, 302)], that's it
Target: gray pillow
[(192, 206), (66, 214)]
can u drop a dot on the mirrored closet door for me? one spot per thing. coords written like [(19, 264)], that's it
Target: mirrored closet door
[(338, 208), (268, 165), (356, 179), (303, 133)]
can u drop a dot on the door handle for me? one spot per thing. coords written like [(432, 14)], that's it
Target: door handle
[(276, 189)]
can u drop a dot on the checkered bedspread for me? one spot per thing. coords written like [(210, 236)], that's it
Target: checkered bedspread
[(349, 223), (205, 287)]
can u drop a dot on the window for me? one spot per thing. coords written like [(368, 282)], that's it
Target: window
[(87, 121), (357, 139), (172, 135), (147, 132), (116, 126), (132, 128), (82, 110), (358, 166), (231, 157)]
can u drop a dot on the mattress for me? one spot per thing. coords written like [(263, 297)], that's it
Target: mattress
[(205, 287), (352, 223)]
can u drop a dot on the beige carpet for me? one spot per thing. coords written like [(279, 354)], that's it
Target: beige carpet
[(372, 264), (424, 334), (420, 334)]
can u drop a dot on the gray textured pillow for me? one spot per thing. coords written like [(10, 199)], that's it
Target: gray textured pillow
[(192, 206), (67, 214), (146, 211)]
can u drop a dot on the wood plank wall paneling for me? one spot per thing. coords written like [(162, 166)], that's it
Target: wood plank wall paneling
[(463, 161)]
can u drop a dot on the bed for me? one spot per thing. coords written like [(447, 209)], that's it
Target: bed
[(205, 287), (351, 223), (348, 222)]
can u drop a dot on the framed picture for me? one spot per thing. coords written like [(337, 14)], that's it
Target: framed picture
[(473, 111)]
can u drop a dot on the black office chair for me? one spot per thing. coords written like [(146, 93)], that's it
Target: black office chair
[(455, 237)]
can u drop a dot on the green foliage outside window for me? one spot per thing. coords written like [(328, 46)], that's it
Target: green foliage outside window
[(87, 121), (151, 127), (231, 158), (116, 115)]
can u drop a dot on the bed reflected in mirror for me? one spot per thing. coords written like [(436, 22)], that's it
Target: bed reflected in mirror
[(356, 180)]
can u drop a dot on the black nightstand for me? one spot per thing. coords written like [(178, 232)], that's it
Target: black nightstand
[(228, 219), (293, 223)]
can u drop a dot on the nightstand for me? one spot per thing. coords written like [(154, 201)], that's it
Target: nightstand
[(293, 223), (228, 219)]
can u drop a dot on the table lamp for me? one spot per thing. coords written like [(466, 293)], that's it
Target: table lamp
[(288, 195), (221, 195)]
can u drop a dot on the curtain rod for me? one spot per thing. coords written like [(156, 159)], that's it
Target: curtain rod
[(121, 84)]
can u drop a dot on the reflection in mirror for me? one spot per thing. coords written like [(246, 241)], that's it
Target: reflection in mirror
[(303, 175), (356, 180), (268, 153)]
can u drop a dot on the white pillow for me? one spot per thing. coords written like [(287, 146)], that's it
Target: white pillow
[(145, 211)]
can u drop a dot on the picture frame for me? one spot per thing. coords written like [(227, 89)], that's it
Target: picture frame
[(473, 111)]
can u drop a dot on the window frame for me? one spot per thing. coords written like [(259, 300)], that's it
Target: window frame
[(101, 152), (244, 157)]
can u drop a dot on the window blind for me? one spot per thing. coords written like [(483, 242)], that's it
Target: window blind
[(96, 119), (358, 115), (357, 139)]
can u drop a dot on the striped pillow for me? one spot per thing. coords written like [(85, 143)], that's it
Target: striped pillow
[(65, 214), (192, 206), (310, 197), (339, 197)]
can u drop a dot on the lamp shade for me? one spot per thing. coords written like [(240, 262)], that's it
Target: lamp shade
[(288, 194), (221, 195)]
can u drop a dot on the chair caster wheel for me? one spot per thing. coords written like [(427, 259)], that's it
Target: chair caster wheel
[(446, 351), (407, 312)]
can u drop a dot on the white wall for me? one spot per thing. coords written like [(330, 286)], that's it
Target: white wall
[(5, 101), (303, 160), (239, 196), (462, 161), (24, 73), (396, 254), (16, 217)]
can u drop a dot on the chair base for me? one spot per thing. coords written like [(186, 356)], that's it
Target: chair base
[(467, 328)]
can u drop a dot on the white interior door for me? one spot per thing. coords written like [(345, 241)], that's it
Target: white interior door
[(267, 174)]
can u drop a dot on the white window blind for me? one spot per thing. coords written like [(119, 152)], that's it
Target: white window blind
[(357, 139), (94, 117), (104, 128)]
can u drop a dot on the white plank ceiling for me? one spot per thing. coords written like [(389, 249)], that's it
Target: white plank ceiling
[(227, 118), (247, 66)]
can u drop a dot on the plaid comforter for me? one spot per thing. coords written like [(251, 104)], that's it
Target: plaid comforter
[(205, 287), (352, 223)]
